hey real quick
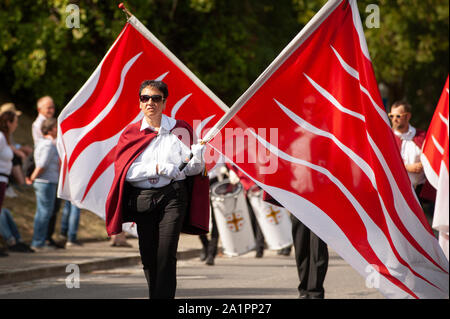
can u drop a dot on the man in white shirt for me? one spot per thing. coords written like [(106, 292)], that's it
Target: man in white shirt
[(409, 140), (46, 109)]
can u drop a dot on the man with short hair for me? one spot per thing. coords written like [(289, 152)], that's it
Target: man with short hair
[(410, 141), (46, 110)]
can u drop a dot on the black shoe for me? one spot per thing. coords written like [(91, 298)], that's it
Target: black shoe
[(210, 260), (3, 253), (284, 251), (54, 244), (203, 255), (21, 248), (259, 253)]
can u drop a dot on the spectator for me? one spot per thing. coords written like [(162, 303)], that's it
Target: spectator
[(45, 181), (8, 124), (120, 240), (46, 110), (20, 152), (9, 231), (409, 141), (69, 224)]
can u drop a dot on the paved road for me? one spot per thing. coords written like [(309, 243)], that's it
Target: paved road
[(243, 277)]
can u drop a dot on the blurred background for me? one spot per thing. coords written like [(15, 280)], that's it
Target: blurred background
[(227, 44)]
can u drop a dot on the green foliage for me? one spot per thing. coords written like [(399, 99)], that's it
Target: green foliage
[(410, 52), (227, 44)]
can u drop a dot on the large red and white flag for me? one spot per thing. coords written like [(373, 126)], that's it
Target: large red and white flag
[(435, 163), (313, 133), (90, 125)]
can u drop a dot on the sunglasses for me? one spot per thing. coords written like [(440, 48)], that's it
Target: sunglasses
[(146, 98), (397, 116)]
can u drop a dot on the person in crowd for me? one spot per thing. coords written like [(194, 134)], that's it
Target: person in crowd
[(120, 240), (150, 189), (21, 152), (311, 257), (410, 141), (8, 124), (11, 234), (45, 181), (210, 246), (46, 110), (70, 221)]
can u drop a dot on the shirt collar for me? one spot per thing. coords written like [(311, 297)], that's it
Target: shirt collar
[(409, 135), (167, 124)]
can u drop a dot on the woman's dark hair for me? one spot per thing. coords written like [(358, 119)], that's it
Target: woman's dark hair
[(48, 125), (5, 118), (160, 85)]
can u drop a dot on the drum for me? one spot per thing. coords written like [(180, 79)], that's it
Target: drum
[(274, 221), (232, 218)]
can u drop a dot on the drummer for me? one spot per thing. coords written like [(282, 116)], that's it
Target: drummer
[(237, 176)]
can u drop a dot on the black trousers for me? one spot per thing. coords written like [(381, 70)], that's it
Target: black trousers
[(259, 236), (159, 230), (210, 246), (311, 256)]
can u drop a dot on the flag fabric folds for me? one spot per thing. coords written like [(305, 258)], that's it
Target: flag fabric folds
[(90, 125), (316, 114), (435, 163)]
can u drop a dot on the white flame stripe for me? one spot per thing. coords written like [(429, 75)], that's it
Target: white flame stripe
[(333, 100), (88, 88), (350, 70), (438, 146), (82, 172), (350, 153), (86, 129), (443, 119), (162, 76), (400, 202), (327, 229), (202, 124), (359, 29), (376, 238), (396, 235), (407, 216), (177, 105)]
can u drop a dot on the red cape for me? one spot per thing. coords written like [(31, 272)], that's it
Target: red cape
[(133, 142), (428, 192), (419, 138)]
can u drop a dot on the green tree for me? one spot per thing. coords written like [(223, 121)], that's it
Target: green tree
[(227, 44)]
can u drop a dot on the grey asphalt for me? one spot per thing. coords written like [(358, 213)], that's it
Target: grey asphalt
[(342, 282)]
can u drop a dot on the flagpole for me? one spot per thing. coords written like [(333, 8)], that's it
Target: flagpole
[(127, 13), (310, 27)]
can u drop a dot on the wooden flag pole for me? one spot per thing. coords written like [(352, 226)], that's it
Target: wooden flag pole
[(122, 7)]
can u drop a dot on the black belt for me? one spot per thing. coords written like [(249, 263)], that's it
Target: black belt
[(173, 186)]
